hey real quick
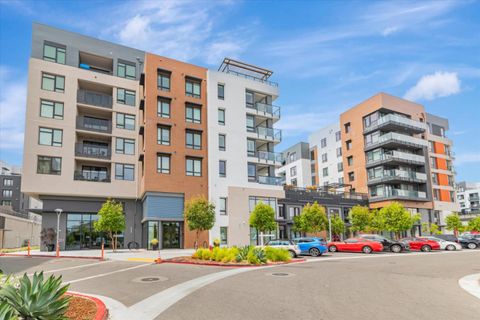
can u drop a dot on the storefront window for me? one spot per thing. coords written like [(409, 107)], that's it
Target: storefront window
[(82, 235)]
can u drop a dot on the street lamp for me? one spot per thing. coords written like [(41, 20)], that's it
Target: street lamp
[(57, 247)]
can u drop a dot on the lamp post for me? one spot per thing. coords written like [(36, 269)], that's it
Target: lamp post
[(57, 247)]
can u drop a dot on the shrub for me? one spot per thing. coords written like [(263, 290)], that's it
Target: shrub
[(256, 256), (36, 298), (206, 254), (243, 253), (231, 255), (277, 254), (7, 312)]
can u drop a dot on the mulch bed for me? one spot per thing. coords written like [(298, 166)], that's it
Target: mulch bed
[(81, 309), (190, 260)]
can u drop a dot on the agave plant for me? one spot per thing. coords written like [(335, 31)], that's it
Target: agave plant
[(242, 253), (7, 312), (38, 299), (260, 255)]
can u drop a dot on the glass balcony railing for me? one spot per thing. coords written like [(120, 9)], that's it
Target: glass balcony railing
[(398, 155), (270, 156), (270, 133), (92, 151), (94, 98), (266, 109), (95, 176), (275, 181), (397, 137), (396, 119), (401, 193), (93, 124), (402, 174)]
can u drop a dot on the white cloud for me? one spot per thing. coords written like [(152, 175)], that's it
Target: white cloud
[(464, 158), (302, 123), (388, 31), (432, 86)]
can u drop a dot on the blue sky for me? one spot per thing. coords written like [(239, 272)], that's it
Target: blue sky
[(327, 56)]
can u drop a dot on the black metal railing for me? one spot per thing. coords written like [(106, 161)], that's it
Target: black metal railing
[(94, 98), (92, 151), (95, 176), (93, 124)]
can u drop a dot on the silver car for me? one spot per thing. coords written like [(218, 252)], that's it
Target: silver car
[(444, 244), (285, 244)]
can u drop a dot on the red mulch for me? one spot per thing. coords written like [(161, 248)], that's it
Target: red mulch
[(81, 309)]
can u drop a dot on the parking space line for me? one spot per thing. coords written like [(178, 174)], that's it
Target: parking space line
[(108, 273), (74, 267)]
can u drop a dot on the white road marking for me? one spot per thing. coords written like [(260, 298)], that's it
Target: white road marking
[(108, 273), (71, 268), (471, 284)]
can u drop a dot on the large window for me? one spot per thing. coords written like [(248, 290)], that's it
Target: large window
[(7, 193), (325, 172), (163, 135), (125, 121), (124, 171), (338, 135), (222, 143), (194, 167), (51, 109), (125, 146), (51, 82), (126, 97), (193, 139), (224, 235), (221, 91), (49, 165), (251, 147), (50, 137), (293, 171), (163, 163), (350, 160), (351, 176), (126, 70), (222, 206), (323, 142), (54, 52), (163, 80), (8, 182), (163, 107), (252, 172), (192, 88), (348, 144), (340, 166), (193, 113), (324, 157), (221, 117), (81, 233), (250, 123), (222, 168), (339, 151)]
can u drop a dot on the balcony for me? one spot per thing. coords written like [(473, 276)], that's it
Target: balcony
[(396, 140), (265, 133), (264, 109), (267, 156), (401, 194), (94, 98), (397, 157), (399, 176), (94, 176), (92, 151), (95, 63), (392, 122), (94, 124), (274, 181)]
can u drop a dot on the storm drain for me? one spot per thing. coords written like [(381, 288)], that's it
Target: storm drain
[(280, 274), (149, 279)]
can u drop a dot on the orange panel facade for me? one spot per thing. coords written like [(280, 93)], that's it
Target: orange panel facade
[(439, 147)]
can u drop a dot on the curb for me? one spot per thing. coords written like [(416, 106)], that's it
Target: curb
[(471, 284), (48, 256), (232, 265), (102, 311)]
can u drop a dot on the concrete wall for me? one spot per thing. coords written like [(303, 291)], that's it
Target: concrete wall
[(17, 230)]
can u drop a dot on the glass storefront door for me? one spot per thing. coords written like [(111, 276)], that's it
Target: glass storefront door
[(171, 234)]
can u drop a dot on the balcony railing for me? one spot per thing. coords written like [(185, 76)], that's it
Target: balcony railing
[(268, 156), (97, 125), (95, 176), (400, 175), (275, 181), (266, 109), (398, 155), (92, 151), (400, 193), (250, 77), (398, 138), (397, 120), (270, 133), (94, 98)]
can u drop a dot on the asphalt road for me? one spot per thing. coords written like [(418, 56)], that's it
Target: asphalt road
[(340, 286)]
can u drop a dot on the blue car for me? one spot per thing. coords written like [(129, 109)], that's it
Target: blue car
[(311, 245)]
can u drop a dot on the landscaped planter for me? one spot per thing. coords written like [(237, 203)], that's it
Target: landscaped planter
[(190, 260), (83, 307)]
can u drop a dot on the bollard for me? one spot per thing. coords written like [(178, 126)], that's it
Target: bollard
[(28, 248), (103, 251)]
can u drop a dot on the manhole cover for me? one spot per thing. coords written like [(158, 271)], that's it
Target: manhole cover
[(149, 279), (280, 274)]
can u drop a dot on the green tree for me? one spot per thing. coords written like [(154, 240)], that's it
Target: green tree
[(435, 229), (313, 219), (377, 221), (110, 220), (337, 225), (359, 217), (474, 224), (397, 218), (262, 218), (200, 215), (453, 223)]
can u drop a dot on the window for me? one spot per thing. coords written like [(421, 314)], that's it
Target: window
[(222, 206), (339, 151), (163, 80), (435, 178), (222, 168), (433, 163), (338, 136), (224, 235), (221, 117), (193, 113), (51, 109), (49, 165), (51, 82), (294, 182), (50, 137), (325, 172), (126, 97), (252, 172), (347, 127), (452, 196), (7, 193), (340, 180), (250, 123), (163, 163), (350, 160), (124, 172), (221, 91), (193, 140), (194, 167), (323, 142), (293, 156), (222, 142), (192, 88), (249, 99), (6, 203), (324, 157), (125, 146), (163, 107), (293, 171), (349, 144), (7, 182), (125, 121), (54, 52), (450, 181), (163, 135), (314, 182), (351, 176), (340, 166), (436, 194), (126, 70), (431, 146), (251, 148)]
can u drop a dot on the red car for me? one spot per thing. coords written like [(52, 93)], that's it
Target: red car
[(355, 245), (421, 244)]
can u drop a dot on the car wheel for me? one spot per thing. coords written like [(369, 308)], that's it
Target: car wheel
[(332, 249), (450, 247), (396, 248), (314, 252), (367, 249), (426, 248), (292, 254), (472, 245)]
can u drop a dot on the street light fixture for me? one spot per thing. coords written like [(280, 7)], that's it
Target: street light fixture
[(57, 247)]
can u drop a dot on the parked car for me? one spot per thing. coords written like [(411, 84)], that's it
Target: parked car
[(421, 244), (285, 244), (388, 244), (444, 244), (447, 237), (355, 245), (469, 242), (311, 245)]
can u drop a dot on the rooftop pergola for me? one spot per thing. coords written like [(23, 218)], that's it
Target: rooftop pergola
[(230, 65)]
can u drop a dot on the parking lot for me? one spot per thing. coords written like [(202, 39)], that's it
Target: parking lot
[(329, 287)]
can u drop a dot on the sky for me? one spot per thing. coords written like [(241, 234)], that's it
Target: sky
[(327, 56)]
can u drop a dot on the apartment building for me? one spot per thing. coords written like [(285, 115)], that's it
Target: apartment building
[(10, 186), (468, 195), (296, 169), (241, 141)]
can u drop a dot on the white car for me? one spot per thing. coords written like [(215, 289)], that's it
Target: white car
[(285, 244), (444, 244)]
